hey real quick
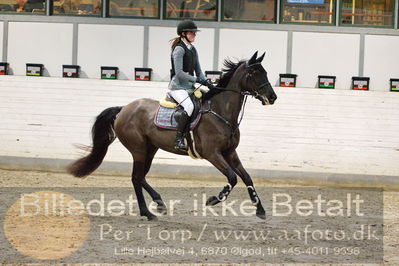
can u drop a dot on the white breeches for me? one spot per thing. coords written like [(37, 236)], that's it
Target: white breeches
[(182, 97)]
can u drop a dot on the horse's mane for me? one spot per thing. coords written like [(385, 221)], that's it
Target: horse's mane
[(228, 71)]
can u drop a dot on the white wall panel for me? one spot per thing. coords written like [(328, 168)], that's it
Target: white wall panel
[(205, 47), (381, 57), (110, 45), (159, 50), (46, 43), (316, 54), (241, 44), (1, 40)]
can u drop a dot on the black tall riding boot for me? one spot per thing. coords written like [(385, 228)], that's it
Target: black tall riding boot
[(182, 122)]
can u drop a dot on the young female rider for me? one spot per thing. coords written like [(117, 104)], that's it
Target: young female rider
[(184, 63)]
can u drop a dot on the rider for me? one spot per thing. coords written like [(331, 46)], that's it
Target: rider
[(185, 62)]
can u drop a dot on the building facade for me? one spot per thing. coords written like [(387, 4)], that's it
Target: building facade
[(342, 38)]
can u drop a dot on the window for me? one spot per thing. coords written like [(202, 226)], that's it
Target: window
[(23, 6), (194, 9), (134, 8), (308, 11), (249, 10), (77, 7), (367, 12)]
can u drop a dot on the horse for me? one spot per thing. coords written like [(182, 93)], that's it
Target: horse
[(216, 136)]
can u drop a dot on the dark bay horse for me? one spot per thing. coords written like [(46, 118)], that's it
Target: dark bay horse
[(216, 136)]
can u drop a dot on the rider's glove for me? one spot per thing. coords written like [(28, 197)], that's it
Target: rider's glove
[(202, 81), (205, 82)]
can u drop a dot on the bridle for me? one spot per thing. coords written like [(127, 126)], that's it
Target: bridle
[(253, 92)]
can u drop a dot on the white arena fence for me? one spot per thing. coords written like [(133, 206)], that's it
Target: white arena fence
[(306, 131)]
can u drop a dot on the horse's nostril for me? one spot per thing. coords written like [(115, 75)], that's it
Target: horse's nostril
[(273, 99)]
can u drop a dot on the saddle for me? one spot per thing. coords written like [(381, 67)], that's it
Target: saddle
[(168, 109)]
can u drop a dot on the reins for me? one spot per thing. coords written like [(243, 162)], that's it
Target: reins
[(242, 109), (246, 93)]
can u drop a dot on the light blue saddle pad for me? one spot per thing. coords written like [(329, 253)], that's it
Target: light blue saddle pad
[(164, 119)]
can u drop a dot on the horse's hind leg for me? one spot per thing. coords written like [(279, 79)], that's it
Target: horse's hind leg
[(236, 164), (138, 182), (220, 163), (161, 208)]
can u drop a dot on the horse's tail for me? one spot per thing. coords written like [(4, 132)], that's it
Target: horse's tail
[(103, 135)]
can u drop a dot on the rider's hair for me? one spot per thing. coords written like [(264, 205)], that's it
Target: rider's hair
[(174, 42)]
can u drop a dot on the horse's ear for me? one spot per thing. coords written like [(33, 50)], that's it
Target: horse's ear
[(253, 58), (260, 59)]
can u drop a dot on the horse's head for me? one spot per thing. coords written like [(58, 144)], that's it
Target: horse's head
[(255, 80)]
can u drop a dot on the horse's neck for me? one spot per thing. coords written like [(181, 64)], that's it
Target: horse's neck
[(228, 105)]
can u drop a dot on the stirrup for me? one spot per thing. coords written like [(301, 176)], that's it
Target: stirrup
[(181, 145)]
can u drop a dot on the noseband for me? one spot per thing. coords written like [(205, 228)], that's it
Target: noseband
[(255, 92)]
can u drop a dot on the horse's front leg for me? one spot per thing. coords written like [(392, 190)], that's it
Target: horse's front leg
[(220, 163), (235, 163)]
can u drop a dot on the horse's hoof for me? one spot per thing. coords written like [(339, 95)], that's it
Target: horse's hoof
[(260, 212), (152, 217), (212, 201), (261, 215), (161, 209)]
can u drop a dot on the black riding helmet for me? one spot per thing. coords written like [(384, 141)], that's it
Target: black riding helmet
[(186, 25)]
